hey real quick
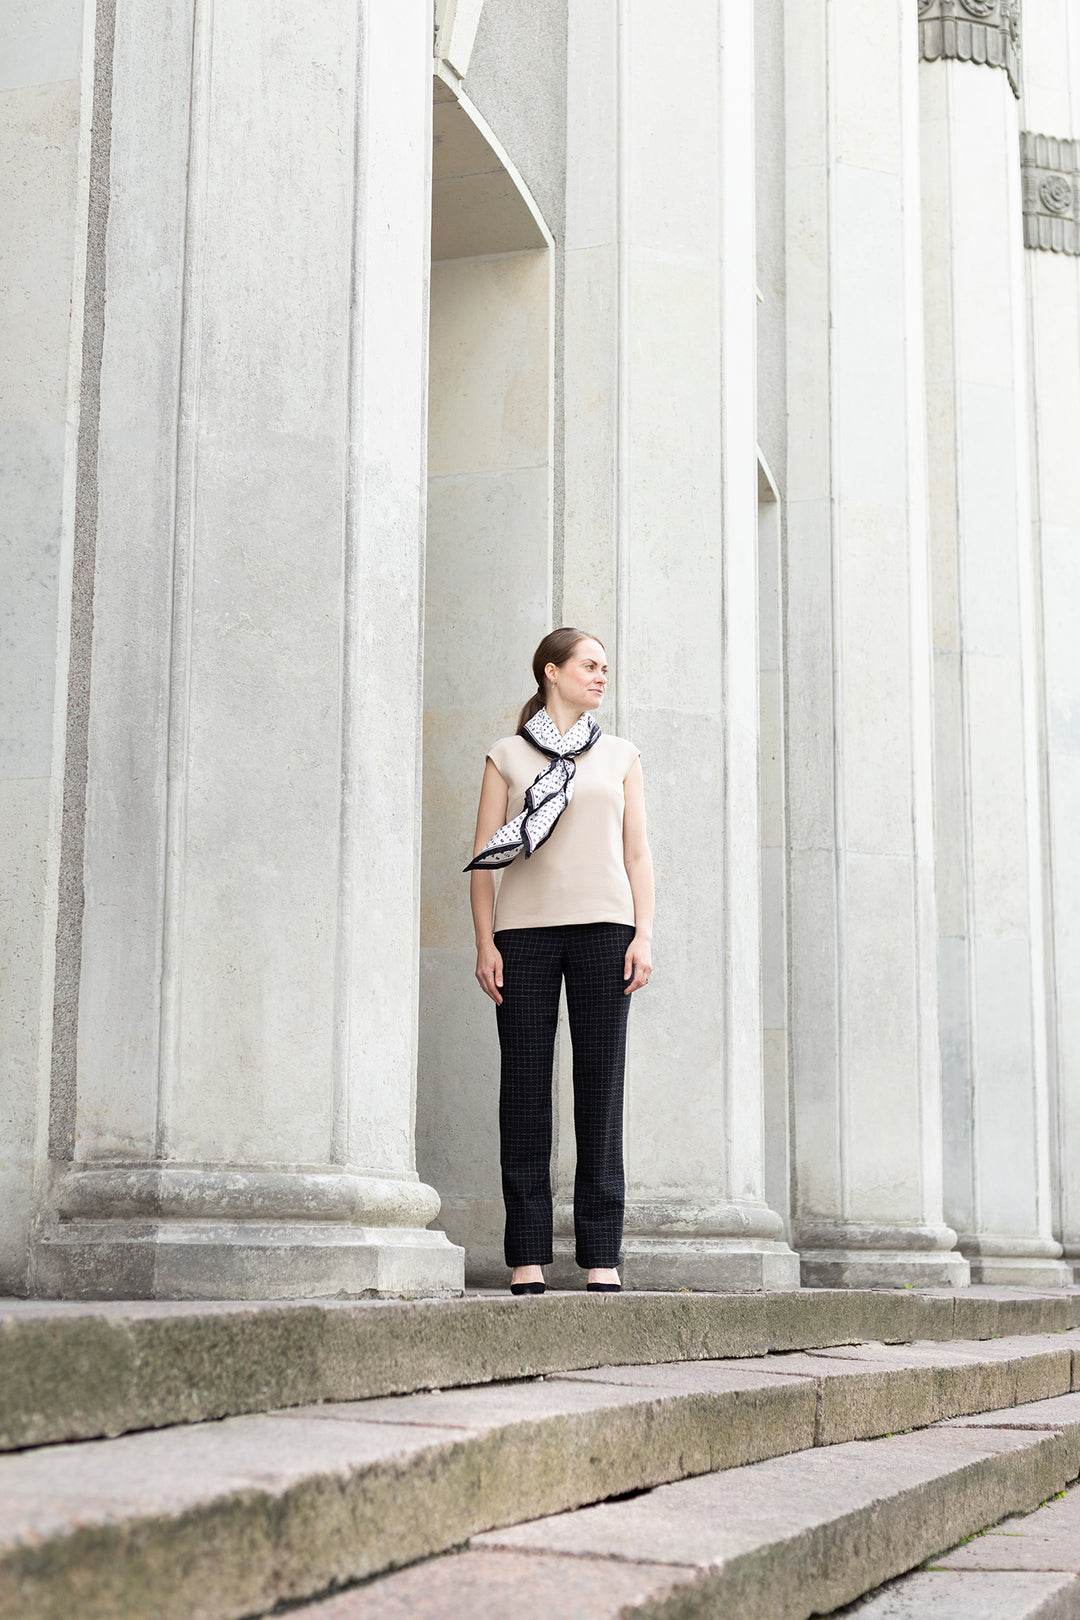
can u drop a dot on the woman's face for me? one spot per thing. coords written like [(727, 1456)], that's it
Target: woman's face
[(582, 680)]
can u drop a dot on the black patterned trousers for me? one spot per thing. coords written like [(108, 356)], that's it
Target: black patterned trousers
[(535, 960)]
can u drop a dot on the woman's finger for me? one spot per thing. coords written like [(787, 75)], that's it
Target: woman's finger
[(640, 978)]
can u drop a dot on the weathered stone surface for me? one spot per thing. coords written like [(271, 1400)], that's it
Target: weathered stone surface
[(911, 1386), (1023, 1569), (492, 1585), (981, 1312), (226, 1519), (803, 1534), (223, 1519), (934, 1595), (887, 1268), (865, 1391), (821, 1316), (206, 1521), (75, 1371), (1049, 1539), (1062, 1414), (726, 1416)]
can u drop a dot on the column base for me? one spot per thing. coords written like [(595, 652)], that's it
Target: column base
[(706, 1265), (883, 1268), (1017, 1272), (1017, 1262), (866, 1254), (212, 1260), (167, 1231)]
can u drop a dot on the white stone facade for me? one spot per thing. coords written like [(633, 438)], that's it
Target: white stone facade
[(744, 334)]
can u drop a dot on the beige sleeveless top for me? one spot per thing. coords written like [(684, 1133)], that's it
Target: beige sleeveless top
[(578, 874)]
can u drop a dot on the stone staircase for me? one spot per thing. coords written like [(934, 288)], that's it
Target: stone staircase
[(766, 1456)]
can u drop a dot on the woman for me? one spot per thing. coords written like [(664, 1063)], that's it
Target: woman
[(562, 816)]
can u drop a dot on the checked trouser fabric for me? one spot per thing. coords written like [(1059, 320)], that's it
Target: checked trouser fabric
[(591, 957)]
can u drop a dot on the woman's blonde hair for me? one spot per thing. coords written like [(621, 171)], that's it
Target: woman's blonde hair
[(555, 648)]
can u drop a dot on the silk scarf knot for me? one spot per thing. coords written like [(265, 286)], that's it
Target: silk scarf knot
[(548, 796)]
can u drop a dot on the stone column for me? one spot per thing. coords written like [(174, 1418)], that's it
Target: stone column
[(989, 837), (232, 1103), (866, 1075), (1050, 179), (46, 95), (661, 500)]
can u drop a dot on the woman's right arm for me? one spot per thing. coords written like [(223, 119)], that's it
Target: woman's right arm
[(489, 818)]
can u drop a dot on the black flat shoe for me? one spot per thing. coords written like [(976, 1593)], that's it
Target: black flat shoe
[(603, 1288), (528, 1288)]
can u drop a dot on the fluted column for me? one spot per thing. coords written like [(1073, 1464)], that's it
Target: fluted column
[(989, 834), (661, 499), (1050, 178), (866, 1077), (232, 1112)]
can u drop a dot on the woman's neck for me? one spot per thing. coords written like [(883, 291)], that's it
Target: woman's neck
[(563, 715)]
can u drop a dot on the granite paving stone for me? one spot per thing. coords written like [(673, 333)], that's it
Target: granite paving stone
[(1061, 1413), (1048, 1539), (215, 1520), (935, 1595), (871, 1390), (496, 1585), (78, 1370), (803, 1534), (220, 1518)]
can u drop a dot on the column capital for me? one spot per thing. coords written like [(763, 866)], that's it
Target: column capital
[(984, 31), (1050, 170)]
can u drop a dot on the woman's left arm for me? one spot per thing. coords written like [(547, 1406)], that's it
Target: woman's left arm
[(638, 863)]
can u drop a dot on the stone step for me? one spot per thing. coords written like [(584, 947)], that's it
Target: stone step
[(227, 1519), (782, 1539), (986, 1595), (77, 1371), (1023, 1568)]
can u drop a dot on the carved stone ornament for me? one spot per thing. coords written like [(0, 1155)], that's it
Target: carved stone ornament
[(1051, 177), (986, 31)]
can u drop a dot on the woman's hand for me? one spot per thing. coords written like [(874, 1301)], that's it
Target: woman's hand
[(638, 966), (489, 970)]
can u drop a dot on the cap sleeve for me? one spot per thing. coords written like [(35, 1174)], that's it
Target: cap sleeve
[(497, 754), (632, 755)]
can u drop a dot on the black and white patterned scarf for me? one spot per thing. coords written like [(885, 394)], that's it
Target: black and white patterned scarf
[(549, 795)]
